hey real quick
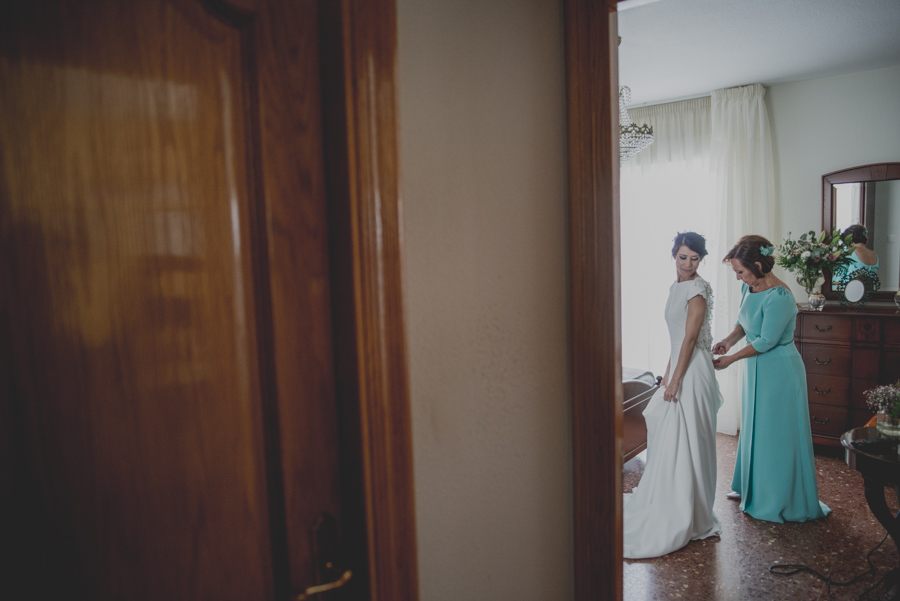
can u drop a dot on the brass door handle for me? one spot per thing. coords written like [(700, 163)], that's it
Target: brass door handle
[(827, 390), (816, 326), (816, 359), (324, 588), (827, 419)]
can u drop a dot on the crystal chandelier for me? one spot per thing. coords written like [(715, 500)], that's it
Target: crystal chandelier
[(632, 138)]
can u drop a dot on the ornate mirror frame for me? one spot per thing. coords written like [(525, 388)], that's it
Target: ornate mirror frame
[(866, 173)]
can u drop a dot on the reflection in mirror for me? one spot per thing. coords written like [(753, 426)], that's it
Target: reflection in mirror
[(882, 221), (868, 195), (846, 205), (887, 241)]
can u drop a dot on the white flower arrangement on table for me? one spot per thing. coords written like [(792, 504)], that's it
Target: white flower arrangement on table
[(810, 253), (884, 399)]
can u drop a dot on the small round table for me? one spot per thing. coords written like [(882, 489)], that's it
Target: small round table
[(876, 457)]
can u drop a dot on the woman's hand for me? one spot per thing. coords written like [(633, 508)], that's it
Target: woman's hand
[(723, 361), (724, 345), (671, 393), (721, 347)]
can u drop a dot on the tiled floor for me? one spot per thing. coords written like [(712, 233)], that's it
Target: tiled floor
[(736, 565)]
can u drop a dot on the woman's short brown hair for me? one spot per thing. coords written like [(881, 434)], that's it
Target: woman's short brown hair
[(749, 251), (692, 240), (859, 234)]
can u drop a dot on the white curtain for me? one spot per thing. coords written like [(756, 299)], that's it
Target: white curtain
[(709, 170), (665, 189), (681, 133), (741, 147)]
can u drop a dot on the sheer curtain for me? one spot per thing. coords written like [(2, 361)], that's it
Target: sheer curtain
[(709, 170), (745, 188), (665, 189)]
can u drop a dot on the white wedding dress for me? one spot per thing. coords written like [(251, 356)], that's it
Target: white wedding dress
[(673, 504)]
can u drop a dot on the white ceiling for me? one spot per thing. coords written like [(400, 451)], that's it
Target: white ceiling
[(674, 49)]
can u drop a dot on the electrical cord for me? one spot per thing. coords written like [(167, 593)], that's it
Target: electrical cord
[(792, 569)]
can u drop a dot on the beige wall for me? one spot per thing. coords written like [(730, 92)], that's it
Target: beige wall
[(826, 124), (482, 124)]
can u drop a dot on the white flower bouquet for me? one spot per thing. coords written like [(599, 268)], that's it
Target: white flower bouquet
[(810, 253), (884, 399)]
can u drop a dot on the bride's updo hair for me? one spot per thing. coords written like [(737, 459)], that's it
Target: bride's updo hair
[(751, 250), (692, 240)]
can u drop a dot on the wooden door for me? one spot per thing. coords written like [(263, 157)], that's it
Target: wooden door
[(591, 39), (169, 422)]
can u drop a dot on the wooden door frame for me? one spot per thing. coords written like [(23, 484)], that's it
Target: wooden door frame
[(359, 45), (358, 48), (591, 50)]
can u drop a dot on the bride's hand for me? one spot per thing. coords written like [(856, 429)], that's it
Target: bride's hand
[(671, 392)]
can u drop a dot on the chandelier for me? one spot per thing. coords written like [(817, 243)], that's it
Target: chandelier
[(633, 138)]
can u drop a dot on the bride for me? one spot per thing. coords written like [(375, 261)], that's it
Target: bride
[(673, 504)]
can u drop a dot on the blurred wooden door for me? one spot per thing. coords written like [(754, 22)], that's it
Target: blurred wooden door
[(170, 425)]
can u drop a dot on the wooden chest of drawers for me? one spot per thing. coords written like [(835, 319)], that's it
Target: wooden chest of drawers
[(845, 354)]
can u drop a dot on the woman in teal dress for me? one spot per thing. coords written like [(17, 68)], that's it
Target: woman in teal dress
[(861, 257), (775, 470)]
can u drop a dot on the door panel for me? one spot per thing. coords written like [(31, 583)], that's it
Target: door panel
[(164, 247)]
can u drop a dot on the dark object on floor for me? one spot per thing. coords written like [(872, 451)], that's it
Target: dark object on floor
[(880, 469), (888, 578)]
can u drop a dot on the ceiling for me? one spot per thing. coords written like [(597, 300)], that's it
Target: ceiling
[(675, 49)]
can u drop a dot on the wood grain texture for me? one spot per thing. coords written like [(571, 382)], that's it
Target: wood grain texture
[(592, 126), (291, 226), (844, 353), (359, 59), (126, 203), (173, 422), (181, 278)]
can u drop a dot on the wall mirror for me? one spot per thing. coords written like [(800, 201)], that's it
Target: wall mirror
[(870, 195)]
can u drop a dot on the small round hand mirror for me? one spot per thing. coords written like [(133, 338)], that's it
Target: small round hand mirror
[(854, 291)]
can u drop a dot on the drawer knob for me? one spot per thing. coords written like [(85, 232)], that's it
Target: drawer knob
[(827, 419), (816, 326), (826, 391), (827, 361)]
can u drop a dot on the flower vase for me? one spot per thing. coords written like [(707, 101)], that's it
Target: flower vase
[(815, 299), (887, 424)]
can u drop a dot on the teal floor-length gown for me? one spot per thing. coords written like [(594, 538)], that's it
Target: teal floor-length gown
[(775, 470)]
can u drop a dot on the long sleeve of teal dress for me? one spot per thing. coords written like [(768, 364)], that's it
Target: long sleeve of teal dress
[(775, 469)]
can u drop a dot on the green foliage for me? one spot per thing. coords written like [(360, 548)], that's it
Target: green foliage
[(810, 253)]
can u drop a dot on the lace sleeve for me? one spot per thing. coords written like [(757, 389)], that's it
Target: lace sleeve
[(704, 340)]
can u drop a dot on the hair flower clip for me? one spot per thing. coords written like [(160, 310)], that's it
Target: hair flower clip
[(766, 250)]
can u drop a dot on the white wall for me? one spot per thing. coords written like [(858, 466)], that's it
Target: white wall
[(482, 141), (826, 124)]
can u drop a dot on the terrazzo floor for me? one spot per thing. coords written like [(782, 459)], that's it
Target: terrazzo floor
[(736, 564)]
